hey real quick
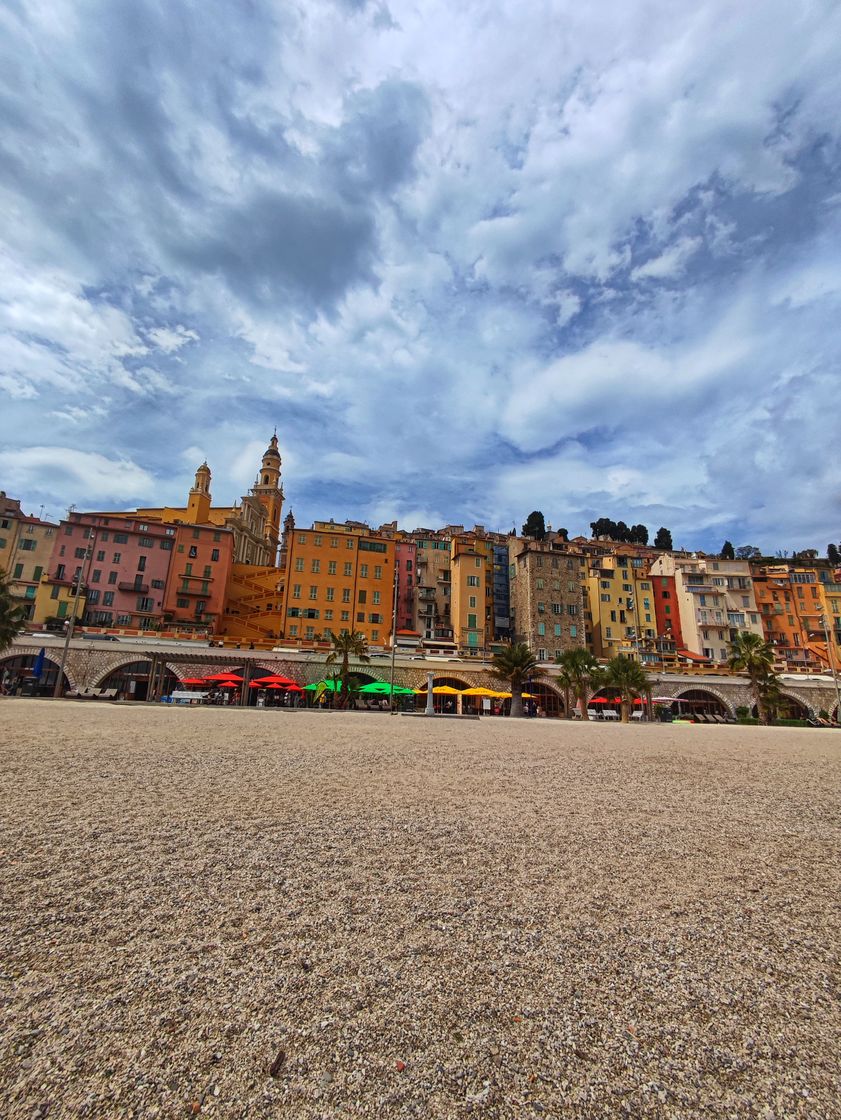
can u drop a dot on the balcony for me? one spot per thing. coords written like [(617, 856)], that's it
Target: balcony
[(192, 591), (426, 594), (138, 588)]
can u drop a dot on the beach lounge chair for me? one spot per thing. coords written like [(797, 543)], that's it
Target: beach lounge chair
[(593, 713), (107, 694), (638, 717)]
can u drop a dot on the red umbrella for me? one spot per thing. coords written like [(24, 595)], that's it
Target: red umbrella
[(193, 680), (599, 700), (228, 684), (224, 677), (294, 688), (273, 678)]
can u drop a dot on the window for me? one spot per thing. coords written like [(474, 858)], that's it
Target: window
[(96, 575), (317, 542), (79, 553), (605, 598), (377, 618), (331, 567), (363, 571), (541, 655), (302, 538), (100, 556), (345, 616), (93, 596), (334, 542), (538, 583), (605, 583), (141, 563), (471, 622), (349, 542), (375, 598), (363, 596), (313, 591), (147, 542), (331, 594), (572, 609), (188, 568), (18, 572), (214, 554), (59, 572), (217, 536), (472, 601), (371, 546), (208, 572), (116, 559), (375, 634), (39, 571), (108, 599), (613, 616), (557, 608), (196, 533), (345, 594), (316, 567), (541, 629), (296, 591), (573, 631), (472, 581), (293, 631), (165, 546), (608, 633), (68, 530), (193, 552), (299, 564), (541, 607), (348, 568), (328, 614), (360, 616), (144, 605), (378, 571), (121, 538)]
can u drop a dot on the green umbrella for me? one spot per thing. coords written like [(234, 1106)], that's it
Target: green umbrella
[(328, 686), (383, 688)]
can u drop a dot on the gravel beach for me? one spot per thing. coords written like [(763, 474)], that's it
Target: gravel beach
[(304, 914)]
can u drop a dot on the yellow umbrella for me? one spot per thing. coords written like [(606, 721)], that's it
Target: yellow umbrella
[(479, 692), (507, 695), (446, 690)]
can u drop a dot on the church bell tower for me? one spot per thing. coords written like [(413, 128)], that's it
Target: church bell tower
[(268, 489), (198, 504)]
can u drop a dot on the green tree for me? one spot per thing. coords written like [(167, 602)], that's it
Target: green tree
[(663, 539), (630, 679), (752, 655), (584, 673), (747, 552), (515, 664), (639, 534), (11, 615), (727, 551), (345, 646), (535, 526), (567, 686), (833, 555)]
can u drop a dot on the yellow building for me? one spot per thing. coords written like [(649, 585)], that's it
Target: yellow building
[(26, 546), (620, 603), (337, 577), (471, 593)]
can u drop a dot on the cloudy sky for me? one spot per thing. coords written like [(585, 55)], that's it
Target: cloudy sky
[(471, 259)]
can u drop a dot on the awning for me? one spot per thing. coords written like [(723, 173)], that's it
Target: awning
[(691, 656)]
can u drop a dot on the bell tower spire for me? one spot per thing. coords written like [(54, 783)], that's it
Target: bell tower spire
[(268, 489), (198, 504)]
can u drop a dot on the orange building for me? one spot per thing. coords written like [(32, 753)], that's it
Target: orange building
[(198, 576), (337, 578)]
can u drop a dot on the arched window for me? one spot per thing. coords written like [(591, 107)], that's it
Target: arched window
[(265, 480)]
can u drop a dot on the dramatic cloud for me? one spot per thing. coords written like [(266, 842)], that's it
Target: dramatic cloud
[(470, 262)]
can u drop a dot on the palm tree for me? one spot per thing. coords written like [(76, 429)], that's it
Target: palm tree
[(515, 664), (567, 685), (584, 673), (11, 616), (345, 646), (629, 678), (752, 655)]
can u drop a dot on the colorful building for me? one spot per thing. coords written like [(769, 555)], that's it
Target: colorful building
[(26, 546), (548, 595), (338, 577)]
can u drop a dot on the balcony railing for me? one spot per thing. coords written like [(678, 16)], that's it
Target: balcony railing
[(139, 588)]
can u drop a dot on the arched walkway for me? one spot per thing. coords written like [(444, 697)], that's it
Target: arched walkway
[(788, 707), (16, 671), (548, 699), (702, 701), (132, 680)]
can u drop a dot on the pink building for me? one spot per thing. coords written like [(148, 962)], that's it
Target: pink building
[(123, 563)]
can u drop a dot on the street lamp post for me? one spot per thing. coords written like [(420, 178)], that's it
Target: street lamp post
[(831, 659)]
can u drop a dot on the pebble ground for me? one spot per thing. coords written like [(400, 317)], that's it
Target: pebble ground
[(247, 914)]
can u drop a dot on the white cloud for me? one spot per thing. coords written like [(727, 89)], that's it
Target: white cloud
[(170, 339), (87, 474), (670, 263)]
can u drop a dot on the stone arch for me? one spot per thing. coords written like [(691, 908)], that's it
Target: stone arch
[(792, 706), (17, 661), (128, 677), (550, 698), (712, 692)]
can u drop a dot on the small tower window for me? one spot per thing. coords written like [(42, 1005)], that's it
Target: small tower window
[(265, 480)]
